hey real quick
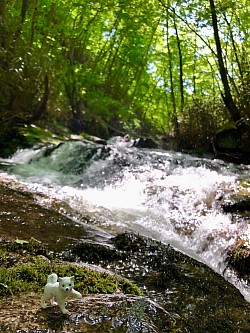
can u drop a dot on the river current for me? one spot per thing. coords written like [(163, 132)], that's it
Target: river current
[(171, 197)]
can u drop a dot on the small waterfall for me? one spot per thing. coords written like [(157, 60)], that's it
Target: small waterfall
[(169, 196)]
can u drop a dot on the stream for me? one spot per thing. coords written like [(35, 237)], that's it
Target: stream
[(171, 197)]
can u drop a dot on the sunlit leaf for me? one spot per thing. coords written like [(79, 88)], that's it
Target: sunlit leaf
[(21, 241)]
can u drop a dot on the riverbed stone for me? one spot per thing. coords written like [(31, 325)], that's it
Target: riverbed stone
[(237, 204), (238, 258)]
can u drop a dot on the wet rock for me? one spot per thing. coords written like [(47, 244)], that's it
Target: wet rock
[(65, 153), (198, 299), (25, 266), (93, 314), (130, 242), (188, 290), (19, 218), (92, 253), (95, 139), (227, 140), (239, 258), (237, 204), (47, 150), (23, 217), (232, 144), (145, 143)]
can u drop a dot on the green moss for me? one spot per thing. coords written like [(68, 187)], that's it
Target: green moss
[(34, 134), (94, 253), (244, 187), (130, 242), (23, 271), (228, 126), (25, 137)]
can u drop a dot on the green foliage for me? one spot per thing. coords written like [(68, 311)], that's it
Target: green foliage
[(204, 121), (35, 134), (115, 66)]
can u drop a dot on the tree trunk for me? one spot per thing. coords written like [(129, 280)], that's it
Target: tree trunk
[(33, 22), (22, 17), (227, 96), (180, 64), (172, 90), (40, 108), (2, 10), (141, 69), (2, 24)]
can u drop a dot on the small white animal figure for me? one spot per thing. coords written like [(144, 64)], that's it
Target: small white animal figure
[(59, 291)]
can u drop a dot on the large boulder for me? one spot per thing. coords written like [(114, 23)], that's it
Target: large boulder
[(188, 290), (232, 143)]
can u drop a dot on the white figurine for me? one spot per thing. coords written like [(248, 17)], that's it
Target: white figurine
[(60, 291)]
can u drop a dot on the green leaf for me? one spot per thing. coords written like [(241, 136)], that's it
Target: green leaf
[(21, 241), (4, 285)]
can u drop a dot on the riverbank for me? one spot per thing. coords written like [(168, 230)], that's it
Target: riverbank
[(179, 293)]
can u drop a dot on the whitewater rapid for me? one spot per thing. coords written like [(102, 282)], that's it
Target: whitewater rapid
[(172, 197)]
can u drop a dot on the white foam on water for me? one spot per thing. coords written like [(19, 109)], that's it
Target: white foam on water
[(175, 203)]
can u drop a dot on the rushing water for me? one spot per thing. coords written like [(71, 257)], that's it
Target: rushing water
[(169, 196)]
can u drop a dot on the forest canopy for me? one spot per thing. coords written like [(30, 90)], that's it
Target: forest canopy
[(177, 68)]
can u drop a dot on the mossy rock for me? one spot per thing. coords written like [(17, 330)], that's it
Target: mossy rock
[(93, 253), (237, 204), (239, 258), (35, 134), (26, 137), (244, 188), (25, 267), (130, 242)]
